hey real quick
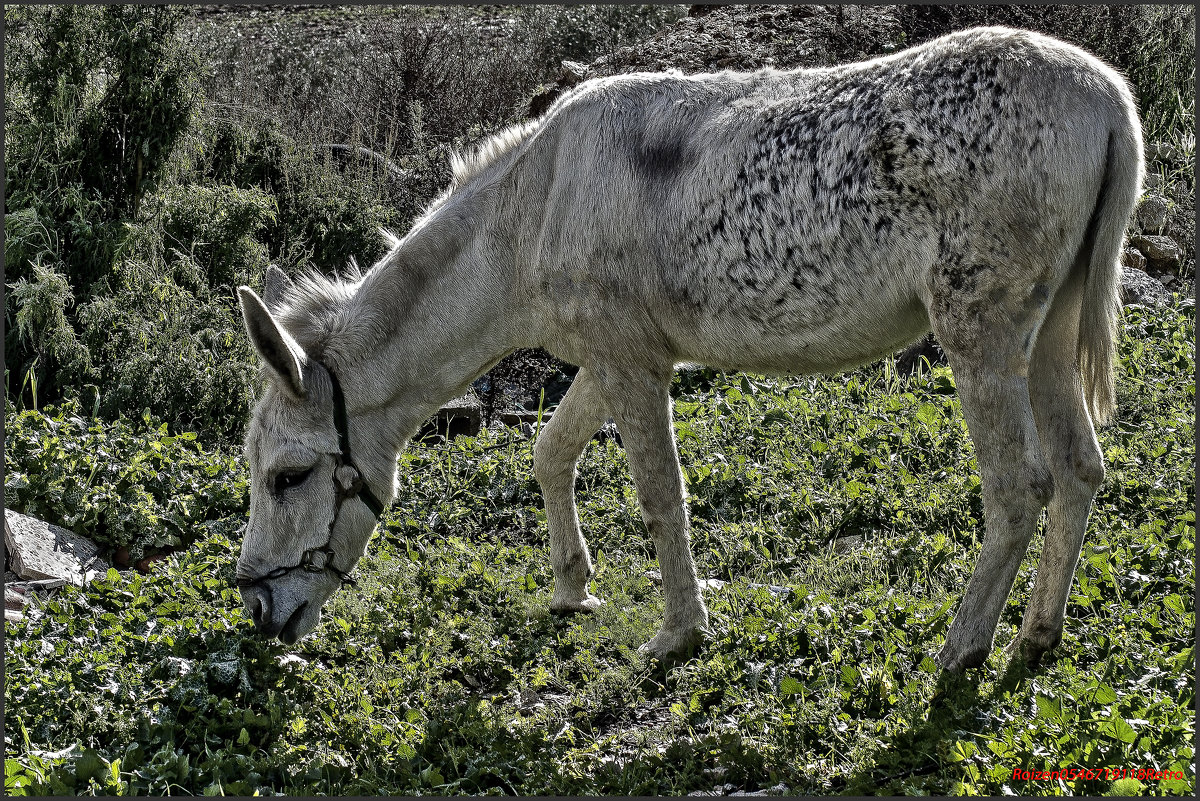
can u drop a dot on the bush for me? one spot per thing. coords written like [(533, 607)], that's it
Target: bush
[(322, 219), (214, 230), (587, 32), (95, 99), (124, 275), (125, 484)]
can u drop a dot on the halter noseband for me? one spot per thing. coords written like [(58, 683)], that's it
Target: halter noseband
[(358, 489)]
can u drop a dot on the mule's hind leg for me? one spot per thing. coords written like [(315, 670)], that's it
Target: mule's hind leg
[(641, 403), (1075, 461), (985, 336), (578, 416)]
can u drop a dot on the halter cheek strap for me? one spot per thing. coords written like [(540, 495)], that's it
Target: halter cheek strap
[(357, 489)]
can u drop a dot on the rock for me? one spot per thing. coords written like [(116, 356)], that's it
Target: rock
[(847, 544), (143, 565), (1161, 152), (520, 418), (1132, 259), (1139, 288), (461, 415), (1163, 251), (13, 598), (1151, 213), (1152, 182), (17, 593), (38, 550), (926, 347), (572, 73)]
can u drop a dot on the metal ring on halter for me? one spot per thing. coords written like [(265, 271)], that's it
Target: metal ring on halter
[(358, 489)]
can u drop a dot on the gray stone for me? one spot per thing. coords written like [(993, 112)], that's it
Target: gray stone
[(1161, 152), (1139, 288), (847, 544), (38, 550), (1151, 213), (520, 418), (1132, 259), (462, 415), (572, 73), (1163, 250)]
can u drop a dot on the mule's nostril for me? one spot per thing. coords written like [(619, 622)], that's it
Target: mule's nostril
[(260, 608)]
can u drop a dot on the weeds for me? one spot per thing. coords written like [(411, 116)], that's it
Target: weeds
[(843, 520)]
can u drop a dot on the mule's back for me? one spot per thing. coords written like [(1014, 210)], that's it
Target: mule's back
[(800, 221)]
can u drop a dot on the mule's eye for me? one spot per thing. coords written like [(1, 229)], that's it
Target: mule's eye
[(293, 478)]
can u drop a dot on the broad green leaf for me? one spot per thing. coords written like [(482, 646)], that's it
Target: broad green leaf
[(1118, 729), (790, 686)]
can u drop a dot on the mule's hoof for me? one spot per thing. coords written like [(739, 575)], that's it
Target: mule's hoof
[(589, 604), (1029, 650), (673, 645), (952, 660)]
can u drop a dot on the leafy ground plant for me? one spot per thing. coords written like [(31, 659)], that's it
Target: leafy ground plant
[(129, 484), (836, 518)]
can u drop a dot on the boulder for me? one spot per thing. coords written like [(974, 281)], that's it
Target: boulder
[(1162, 153), (1151, 213), (38, 550), (1132, 259), (462, 415), (572, 73), (1162, 252), (1139, 288)]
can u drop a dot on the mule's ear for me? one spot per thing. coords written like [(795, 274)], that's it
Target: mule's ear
[(274, 345), (275, 285)]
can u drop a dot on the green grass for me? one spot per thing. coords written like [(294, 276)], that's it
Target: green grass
[(843, 514)]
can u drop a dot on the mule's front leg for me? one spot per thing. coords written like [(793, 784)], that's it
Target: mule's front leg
[(641, 404), (578, 416)]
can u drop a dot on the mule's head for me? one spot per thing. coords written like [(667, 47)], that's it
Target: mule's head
[(312, 509)]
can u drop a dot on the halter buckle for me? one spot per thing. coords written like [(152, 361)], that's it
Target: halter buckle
[(308, 561)]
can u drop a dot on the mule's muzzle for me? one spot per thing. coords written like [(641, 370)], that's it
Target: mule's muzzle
[(271, 621), (258, 603)]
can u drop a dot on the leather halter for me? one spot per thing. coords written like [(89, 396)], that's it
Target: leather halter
[(358, 489)]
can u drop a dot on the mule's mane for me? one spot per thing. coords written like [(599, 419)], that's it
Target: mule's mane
[(472, 164), (316, 309), (319, 310)]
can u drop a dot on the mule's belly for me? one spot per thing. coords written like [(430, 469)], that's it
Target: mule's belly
[(822, 339)]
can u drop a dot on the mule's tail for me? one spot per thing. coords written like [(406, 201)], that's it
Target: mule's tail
[(1101, 294)]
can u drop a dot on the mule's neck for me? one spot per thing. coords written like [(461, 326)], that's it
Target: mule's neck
[(444, 307)]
